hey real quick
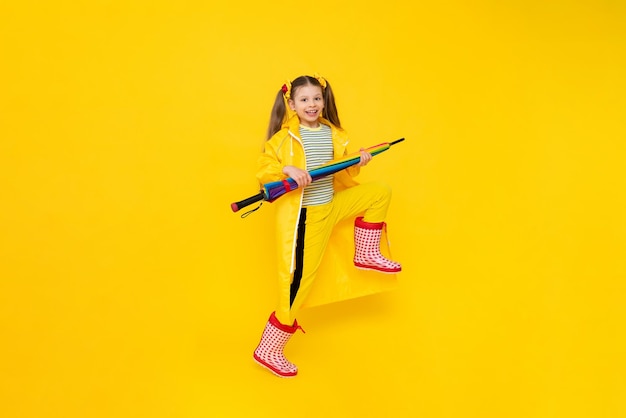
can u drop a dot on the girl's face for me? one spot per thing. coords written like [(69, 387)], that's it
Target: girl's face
[(308, 103)]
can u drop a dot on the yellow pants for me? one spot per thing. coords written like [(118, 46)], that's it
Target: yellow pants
[(316, 225)]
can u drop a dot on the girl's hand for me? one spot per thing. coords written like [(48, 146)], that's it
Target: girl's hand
[(366, 157), (302, 177)]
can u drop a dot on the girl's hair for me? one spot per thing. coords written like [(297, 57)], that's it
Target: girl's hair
[(279, 109)]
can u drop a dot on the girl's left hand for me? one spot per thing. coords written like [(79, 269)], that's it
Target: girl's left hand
[(366, 157)]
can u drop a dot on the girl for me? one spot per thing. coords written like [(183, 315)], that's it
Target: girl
[(304, 133)]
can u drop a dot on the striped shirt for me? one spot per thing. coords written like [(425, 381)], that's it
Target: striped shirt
[(318, 148)]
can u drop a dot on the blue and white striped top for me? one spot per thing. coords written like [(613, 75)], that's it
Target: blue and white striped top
[(318, 148)]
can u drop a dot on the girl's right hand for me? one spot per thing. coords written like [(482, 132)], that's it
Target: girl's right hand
[(302, 177)]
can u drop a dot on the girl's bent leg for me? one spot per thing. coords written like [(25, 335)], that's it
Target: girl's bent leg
[(370, 199)]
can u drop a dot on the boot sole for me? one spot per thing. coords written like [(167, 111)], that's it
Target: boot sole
[(389, 271), (271, 369)]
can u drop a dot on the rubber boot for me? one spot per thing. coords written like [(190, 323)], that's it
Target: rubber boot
[(367, 254), (269, 352)]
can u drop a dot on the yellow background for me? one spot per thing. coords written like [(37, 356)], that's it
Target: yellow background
[(129, 289)]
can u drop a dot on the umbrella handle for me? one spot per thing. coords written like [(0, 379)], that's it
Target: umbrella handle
[(245, 202)]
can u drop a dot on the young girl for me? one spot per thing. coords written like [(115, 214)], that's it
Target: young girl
[(304, 133)]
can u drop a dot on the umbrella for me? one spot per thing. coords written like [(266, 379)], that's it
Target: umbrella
[(275, 189)]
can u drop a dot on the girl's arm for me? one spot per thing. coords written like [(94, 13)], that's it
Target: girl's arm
[(302, 177), (354, 170), (270, 167)]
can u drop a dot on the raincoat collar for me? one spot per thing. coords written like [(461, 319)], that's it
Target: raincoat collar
[(339, 136)]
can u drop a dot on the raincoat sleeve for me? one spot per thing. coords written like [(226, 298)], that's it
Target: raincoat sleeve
[(270, 165)]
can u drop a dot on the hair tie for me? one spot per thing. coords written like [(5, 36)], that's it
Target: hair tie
[(286, 88), (320, 79)]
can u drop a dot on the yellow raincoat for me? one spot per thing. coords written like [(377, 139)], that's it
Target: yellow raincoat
[(337, 278)]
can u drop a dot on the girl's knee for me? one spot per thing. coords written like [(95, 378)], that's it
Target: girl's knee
[(382, 189), (380, 198)]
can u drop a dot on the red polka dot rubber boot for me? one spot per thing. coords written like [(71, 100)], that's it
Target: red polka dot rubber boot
[(367, 254), (269, 352)]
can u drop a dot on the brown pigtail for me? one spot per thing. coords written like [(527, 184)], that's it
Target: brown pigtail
[(330, 108), (277, 115)]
